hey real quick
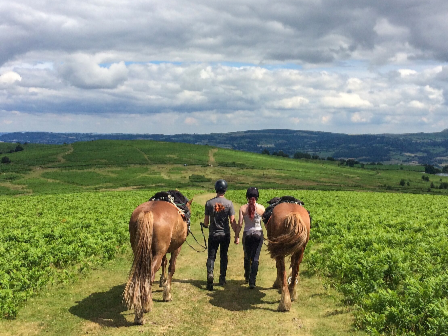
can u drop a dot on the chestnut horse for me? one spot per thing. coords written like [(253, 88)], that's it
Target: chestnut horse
[(288, 232), (156, 228)]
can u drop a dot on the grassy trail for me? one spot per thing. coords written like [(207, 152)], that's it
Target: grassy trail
[(92, 304)]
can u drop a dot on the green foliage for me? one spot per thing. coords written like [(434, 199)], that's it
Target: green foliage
[(49, 238), (387, 253), (107, 153), (6, 159), (300, 155), (443, 185), (199, 178)]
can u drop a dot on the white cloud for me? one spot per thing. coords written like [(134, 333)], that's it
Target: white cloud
[(82, 71), (345, 100), (10, 77), (219, 66), (359, 117), (290, 103)]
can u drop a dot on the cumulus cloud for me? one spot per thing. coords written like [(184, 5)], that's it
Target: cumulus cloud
[(347, 100), (345, 66), (10, 77), (83, 72)]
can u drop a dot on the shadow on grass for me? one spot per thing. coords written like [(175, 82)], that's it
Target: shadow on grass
[(104, 308), (234, 296)]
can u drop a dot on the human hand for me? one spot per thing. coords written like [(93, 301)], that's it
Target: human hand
[(237, 240)]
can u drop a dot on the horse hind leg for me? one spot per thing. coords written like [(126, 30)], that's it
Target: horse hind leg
[(285, 301), (167, 288), (163, 275), (296, 259), (277, 283)]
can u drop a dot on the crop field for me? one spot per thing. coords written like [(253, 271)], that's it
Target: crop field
[(376, 262), (386, 253)]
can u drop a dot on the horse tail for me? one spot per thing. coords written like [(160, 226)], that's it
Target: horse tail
[(138, 288), (292, 240)]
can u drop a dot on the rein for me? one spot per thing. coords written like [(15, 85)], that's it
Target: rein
[(203, 235)]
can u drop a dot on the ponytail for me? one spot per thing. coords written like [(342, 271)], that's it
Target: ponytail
[(252, 202)]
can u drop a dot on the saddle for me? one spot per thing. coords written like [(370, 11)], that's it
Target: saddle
[(276, 201), (176, 198)]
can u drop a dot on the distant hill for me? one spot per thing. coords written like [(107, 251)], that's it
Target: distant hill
[(411, 148)]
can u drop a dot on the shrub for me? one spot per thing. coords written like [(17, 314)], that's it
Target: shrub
[(6, 159), (199, 178)]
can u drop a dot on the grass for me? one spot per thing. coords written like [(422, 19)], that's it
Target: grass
[(143, 164), (91, 304)]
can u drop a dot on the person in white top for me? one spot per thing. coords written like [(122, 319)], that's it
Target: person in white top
[(250, 214)]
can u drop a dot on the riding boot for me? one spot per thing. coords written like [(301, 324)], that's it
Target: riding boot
[(246, 269), (253, 274), (210, 266)]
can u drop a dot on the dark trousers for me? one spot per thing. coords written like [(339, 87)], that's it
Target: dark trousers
[(252, 244), (215, 242)]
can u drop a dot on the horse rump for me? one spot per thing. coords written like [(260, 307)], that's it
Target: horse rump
[(293, 238)]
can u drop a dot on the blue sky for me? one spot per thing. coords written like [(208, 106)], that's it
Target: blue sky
[(347, 66)]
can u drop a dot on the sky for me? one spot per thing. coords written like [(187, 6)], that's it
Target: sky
[(206, 66)]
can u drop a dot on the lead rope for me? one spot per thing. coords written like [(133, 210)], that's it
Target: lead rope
[(203, 235)]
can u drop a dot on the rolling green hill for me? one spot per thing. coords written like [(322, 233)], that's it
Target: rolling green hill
[(143, 164), (412, 148)]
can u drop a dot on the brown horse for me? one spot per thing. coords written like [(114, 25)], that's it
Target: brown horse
[(288, 233), (156, 228)]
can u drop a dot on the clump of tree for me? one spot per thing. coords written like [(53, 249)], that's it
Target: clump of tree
[(430, 169), (425, 178), (300, 155), (402, 182), (280, 153), (265, 152), (6, 159), (443, 185)]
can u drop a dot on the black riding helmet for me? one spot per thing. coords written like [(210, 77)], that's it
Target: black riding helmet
[(221, 186), (252, 192)]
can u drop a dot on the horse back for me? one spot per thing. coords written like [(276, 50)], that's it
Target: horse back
[(281, 213), (169, 229)]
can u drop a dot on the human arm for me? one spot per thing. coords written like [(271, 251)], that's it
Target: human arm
[(206, 221), (236, 228), (239, 225)]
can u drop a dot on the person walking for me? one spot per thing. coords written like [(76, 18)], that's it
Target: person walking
[(251, 213), (219, 211)]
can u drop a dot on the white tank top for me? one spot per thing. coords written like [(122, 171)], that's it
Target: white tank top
[(252, 224)]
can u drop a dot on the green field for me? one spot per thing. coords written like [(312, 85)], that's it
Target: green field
[(65, 255), (143, 164)]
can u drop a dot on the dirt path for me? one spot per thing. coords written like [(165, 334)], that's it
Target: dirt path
[(61, 156), (211, 158)]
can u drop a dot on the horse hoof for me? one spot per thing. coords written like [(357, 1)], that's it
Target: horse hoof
[(139, 321), (283, 309), (168, 299)]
